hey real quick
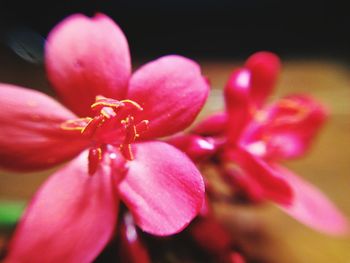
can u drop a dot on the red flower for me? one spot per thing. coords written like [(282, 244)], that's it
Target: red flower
[(249, 139), (114, 120)]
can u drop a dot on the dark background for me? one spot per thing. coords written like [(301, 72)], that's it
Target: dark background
[(201, 28)]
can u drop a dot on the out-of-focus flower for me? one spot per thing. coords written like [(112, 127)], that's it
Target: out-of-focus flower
[(109, 127), (248, 140), (211, 236), (131, 246)]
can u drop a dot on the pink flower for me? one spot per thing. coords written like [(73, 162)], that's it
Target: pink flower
[(109, 127), (249, 139), (213, 238)]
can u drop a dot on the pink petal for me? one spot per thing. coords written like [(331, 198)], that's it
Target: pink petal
[(70, 219), (264, 67), (311, 207), (212, 125), (275, 187), (196, 147), (86, 57), (245, 184), (163, 189), (30, 136), (171, 91), (238, 104)]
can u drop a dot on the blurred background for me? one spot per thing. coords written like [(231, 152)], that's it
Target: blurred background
[(311, 38), (223, 28)]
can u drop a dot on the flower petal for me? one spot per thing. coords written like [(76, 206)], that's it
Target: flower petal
[(70, 219), (86, 57), (311, 207), (244, 184), (171, 91), (238, 104), (196, 147), (264, 67), (163, 189), (275, 187), (31, 137), (212, 125)]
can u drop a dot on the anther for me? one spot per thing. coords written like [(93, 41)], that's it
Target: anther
[(92, 125), (76, 124), (102, 102), (132, 104), (113, 123)]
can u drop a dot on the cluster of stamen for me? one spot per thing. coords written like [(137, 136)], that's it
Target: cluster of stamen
[(288, 111), (113, 124)]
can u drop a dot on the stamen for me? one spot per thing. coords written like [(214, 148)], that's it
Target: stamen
[(102, 102), (93, 124), (125, 149), (108, 112), (133, 104), (113, 123), (130, 136), (95, 156), (141, 127), (296, 112), (76, 124)]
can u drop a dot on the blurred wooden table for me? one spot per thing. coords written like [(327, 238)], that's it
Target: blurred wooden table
[(327, 165)]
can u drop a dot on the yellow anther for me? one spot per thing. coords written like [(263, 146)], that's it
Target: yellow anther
[(135, 104), (105, 114), (99, 152), (84, 128), (104, 104)]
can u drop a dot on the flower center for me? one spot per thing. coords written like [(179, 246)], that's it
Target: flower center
[(114, 123)]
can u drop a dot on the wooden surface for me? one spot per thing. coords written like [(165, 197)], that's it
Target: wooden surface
[(327, 165)]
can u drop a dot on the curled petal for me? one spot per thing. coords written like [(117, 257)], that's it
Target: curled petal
[(212, 125), (86, 57), (70, 219), (171, 91), (31, 136), (196, 147), (163, 189), (273, 185), (245, 184), (264, 68), (311, 207), (238, 105)]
